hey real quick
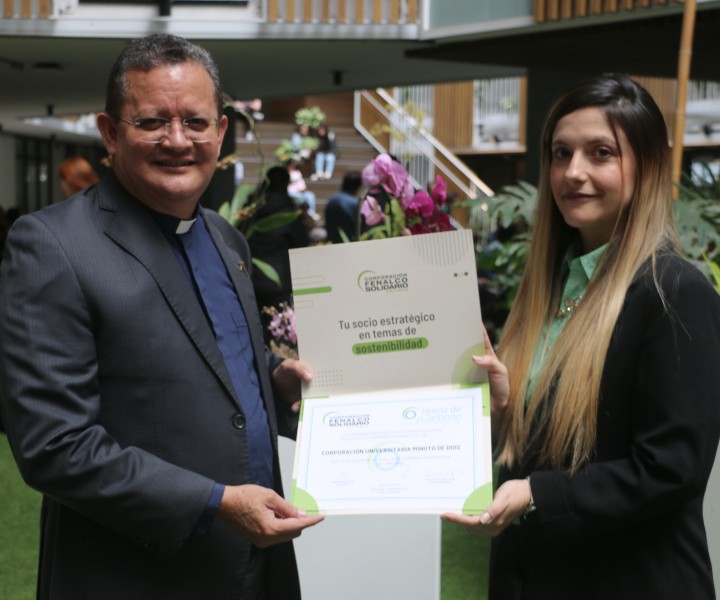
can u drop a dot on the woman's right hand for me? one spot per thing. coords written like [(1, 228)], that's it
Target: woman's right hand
[(497, 377)]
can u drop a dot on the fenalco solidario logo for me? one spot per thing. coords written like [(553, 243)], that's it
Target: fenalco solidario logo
[(335, 419), (369, 281)]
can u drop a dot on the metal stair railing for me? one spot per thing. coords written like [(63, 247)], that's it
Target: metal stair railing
[(417, 137)]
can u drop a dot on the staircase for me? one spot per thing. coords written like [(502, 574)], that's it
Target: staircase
[(353, 153)]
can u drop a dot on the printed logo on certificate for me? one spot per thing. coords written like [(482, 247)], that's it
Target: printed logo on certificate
[(397, 417)]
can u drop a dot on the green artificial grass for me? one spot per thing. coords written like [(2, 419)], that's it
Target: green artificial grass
[(464, 565), (19, 530)]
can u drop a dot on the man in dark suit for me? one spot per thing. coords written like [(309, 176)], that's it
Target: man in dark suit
[(137, 392), (341, 212)]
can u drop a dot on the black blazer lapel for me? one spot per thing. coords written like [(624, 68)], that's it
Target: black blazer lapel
[(129, 224)]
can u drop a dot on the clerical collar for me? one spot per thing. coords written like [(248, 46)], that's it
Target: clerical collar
[(184, 226), (172, 225)]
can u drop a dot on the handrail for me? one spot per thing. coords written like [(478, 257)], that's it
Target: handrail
[(417, 131)]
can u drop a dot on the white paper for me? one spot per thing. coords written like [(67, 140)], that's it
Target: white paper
[(387, 324)]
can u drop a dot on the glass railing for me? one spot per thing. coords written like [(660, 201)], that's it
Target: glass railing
[(466, 12)]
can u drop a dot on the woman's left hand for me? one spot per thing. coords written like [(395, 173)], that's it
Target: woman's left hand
[(511, 501), (497, 377), (287, 378)]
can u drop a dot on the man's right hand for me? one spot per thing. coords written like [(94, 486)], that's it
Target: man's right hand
[(262, 516)]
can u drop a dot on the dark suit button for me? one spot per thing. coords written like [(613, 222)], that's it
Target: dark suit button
[(238, 421)]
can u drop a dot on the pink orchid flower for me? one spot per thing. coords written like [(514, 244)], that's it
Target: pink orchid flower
[(389, 173), (371, 211), (439, 221), (419, 228), (421, 204), (376, 171), (397, 180), (439, 191), (407, 194)]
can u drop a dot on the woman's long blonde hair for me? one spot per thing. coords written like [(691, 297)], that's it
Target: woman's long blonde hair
[(564, 403)]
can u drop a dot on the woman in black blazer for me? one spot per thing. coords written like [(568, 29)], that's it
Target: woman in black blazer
[(605, 389)]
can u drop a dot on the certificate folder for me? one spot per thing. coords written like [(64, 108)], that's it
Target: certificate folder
[(397, 417)]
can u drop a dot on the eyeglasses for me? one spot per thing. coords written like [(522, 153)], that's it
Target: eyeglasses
[(153, 130)]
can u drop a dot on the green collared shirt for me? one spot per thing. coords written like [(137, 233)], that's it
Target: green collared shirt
[(577, 272)]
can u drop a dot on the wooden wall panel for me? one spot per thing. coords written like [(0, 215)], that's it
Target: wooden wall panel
[(370, 116), (412, 11), (454, 114), (552, 10), (377, 11), (338, 108), (359, 11), (394, 16), (663, 92)]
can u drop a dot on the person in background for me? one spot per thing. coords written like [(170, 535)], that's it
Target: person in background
[(137, 393), (325, 154), (273, 246), (248, 112), (604, 390), (341, 212), (75, 174), (301, 143), (297, 188)]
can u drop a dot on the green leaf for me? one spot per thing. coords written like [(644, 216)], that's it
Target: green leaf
[(698, 223), (242, 192), (224, 211), (714, 271), (311, 116), (275, 221), (513, 204), (267, 270)]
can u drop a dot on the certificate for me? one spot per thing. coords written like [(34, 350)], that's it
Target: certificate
[(389, 325), (397, 452)]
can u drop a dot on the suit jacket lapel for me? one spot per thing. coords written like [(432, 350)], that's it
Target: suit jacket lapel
[(129, 224)]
